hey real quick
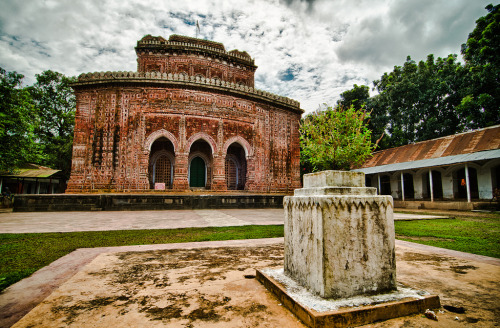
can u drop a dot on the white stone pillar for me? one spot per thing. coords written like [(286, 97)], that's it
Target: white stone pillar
[(402, 187), (467, 182), (339, 236), (431, 185)]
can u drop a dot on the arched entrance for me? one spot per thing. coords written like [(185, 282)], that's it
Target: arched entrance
[(200, 163), (161, 164), (235, 167)]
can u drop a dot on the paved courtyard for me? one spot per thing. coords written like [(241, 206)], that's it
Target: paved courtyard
[(78, 290), (203, 284), (22, 222)]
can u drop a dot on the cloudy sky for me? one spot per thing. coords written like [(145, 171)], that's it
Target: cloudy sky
[(310, 51)]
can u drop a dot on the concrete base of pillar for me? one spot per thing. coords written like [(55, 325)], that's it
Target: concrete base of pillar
[(347, 317), (219, 184), (181, 184)]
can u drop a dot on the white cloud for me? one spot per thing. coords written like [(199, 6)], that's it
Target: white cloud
[(310, 51)]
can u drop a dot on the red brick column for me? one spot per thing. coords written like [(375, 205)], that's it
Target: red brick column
[(181, 172), (250, 178), (219, 173)]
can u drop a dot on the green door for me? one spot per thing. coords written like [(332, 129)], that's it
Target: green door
[(197, 172)]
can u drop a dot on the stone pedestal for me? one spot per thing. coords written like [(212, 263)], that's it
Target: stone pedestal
[(339, 236)]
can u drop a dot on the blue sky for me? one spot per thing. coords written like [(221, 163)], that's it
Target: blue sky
[(310, 51)]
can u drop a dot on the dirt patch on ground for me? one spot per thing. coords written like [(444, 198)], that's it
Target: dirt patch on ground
[(176, 288), (215, 287)]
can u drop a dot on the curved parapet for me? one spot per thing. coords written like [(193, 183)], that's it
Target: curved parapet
[(184, 81)]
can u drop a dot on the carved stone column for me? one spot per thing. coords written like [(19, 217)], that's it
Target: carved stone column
[(250, 178), (219, 162)]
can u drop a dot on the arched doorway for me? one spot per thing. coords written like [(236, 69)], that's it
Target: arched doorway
[(200, 158), (235, 167), (161, 164)]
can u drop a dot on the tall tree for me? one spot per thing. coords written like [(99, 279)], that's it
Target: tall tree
[(334, 139), (482, 104), (55, 104), (17, 140), (417, 101), (357, 97)]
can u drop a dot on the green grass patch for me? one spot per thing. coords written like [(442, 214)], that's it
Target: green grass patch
[(24, 253), (477, 235)]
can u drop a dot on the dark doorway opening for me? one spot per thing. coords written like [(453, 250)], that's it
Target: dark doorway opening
[(385, 185), (409, 190), (200, 159), (460, 181), (161, 163), (197, 172), (236, 167)]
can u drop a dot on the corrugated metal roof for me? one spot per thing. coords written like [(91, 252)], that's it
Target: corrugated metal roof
[(459, 144), (31, 171), (440, 161)]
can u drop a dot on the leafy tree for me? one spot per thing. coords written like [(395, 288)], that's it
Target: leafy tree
[(357, 97), (17, 140), (418, 102), (481, 105), (55, 110), (334, 139), (434, 98)]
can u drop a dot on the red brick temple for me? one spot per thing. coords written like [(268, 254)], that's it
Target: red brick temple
[(188, 118)]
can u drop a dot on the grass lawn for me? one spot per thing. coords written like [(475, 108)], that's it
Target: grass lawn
[(24, 253), (471, 234)]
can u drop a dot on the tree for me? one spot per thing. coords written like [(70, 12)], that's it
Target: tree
[(418, 102), (482, 103), (334, 139), (357, 97), (17, 140), (55, 104)]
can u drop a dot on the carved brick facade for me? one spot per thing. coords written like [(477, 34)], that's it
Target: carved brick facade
[(188, 118)]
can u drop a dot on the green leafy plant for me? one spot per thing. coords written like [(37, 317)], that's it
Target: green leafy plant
[(335, 139)]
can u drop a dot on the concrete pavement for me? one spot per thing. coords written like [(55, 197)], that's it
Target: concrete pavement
[(31, 222)]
